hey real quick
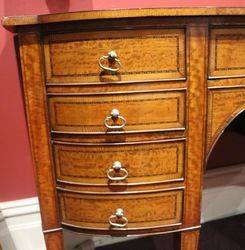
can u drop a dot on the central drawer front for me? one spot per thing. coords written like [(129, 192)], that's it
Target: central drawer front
[(139, 112), (227, 50), (149, 54), (141, 163), (146, 210)]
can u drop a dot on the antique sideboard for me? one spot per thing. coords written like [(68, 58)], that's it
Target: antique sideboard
[(123, 109)]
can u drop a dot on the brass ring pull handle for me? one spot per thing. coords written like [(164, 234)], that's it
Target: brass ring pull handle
[(120, 220), (115, 115), (112, 58), (115, 169)]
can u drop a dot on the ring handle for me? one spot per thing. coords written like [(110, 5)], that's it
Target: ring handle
[(115, 115), (112, 58), (115, 169), (118, 219)]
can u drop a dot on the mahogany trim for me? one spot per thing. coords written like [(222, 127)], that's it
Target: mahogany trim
[(225, 77), (118, 92), (120, 184), (226, 87), (117, 132), (72, 84), (69, 227), (180, 188), (123, 229), (13, 21), (52, 230), (117, 143)]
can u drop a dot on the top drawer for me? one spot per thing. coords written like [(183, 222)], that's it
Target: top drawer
[(157, 54), (227, 50)]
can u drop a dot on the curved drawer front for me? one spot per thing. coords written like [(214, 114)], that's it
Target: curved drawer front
[(155, 54), (140, 162), (138, 112), (140, 211)]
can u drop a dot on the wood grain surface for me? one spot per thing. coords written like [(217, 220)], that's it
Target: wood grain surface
[(35, 101), (144, 162), (181, 83), (75, 57), (227, 49), (224, 105), (9, 22), (143, 211), (142, 111)]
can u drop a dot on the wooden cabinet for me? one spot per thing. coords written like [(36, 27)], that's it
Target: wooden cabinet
[(123, 107)]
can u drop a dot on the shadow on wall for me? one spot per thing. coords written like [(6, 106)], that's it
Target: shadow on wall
[(17, 177), (55, 6)]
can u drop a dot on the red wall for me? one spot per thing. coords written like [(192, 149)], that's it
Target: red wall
[(16, 174)]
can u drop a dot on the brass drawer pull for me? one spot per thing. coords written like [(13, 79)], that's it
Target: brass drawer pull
[(116, 168), (112, 58), (115, 115), (120, 220)]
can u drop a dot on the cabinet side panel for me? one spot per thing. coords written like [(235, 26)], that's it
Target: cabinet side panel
[(196, 121), (35, 104)]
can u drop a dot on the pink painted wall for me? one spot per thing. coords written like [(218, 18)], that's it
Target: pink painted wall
[(16, 174)]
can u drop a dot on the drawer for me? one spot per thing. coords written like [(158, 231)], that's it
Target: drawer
[(128, 163), (150, 54), (227, 50), (140, 211), (126, 112)]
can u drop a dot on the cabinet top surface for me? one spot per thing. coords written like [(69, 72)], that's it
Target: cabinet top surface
[(13, 21)]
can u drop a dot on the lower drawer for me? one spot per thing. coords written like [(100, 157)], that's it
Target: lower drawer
[(140, 163), (122, 211)]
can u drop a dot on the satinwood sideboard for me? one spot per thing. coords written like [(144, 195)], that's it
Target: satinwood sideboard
[(123, 109)]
